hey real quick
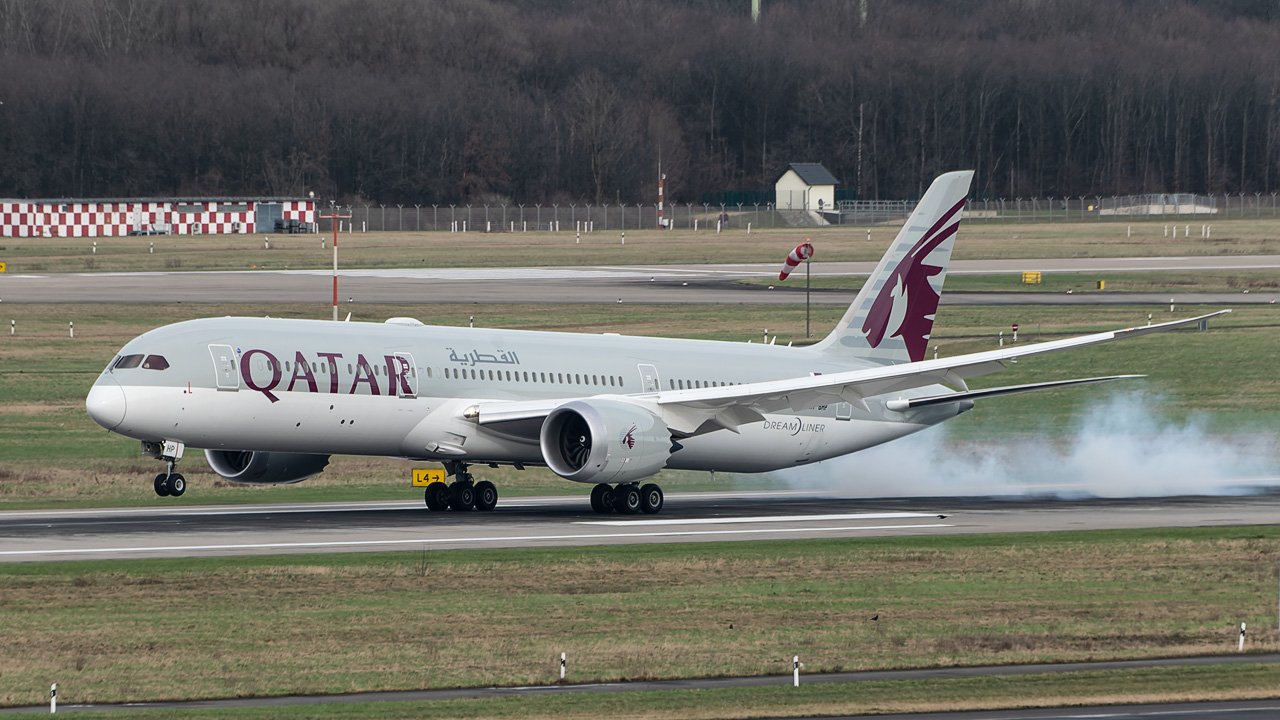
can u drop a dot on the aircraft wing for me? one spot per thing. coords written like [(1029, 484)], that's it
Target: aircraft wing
[(691, 411)]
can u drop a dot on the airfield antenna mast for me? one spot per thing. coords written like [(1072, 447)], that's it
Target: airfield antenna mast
[(334, 216)]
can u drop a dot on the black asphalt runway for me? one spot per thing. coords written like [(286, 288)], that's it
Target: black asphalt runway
[(1249, 710), (165, 529)]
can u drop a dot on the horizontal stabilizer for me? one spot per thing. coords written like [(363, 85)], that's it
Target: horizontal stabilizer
[(905, 404)]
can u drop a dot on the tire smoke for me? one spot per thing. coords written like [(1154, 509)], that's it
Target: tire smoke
[(1122, 447)]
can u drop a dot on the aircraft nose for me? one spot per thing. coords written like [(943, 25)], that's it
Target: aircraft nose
[(105, 403)]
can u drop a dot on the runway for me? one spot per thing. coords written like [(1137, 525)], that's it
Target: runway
[(166, 530), (658, 284)]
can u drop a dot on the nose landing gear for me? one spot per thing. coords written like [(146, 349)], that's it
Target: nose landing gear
[(167, 483)]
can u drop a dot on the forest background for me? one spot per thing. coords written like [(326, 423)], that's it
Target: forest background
[(460, 101)]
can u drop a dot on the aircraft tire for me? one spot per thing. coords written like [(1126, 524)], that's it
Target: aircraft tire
[(437, 497), (176, 485), (462, 496), (486, 496), (626, 499), (161, 486), (651, 498), (601, 499)]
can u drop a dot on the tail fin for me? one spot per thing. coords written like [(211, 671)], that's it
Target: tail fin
[(892, 317)]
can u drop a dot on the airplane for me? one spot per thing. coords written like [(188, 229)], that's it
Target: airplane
[(269, 400)]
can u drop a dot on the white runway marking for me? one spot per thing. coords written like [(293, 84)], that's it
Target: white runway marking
[(452, 540), (761, 519)]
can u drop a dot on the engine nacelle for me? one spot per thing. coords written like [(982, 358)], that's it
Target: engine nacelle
[(596, 441), (260, 468)]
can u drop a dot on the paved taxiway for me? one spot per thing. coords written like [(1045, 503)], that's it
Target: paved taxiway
[(169, 530), (659, 284)]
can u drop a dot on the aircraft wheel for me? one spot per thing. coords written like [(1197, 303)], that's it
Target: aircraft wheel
[(486, 495), (176, 485), (651, 498), (462, 496), (161, 486), (437, 497), (626, 499), (602, 498)]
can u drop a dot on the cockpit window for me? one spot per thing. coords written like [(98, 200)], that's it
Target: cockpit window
[(127, 361), (155, 362)]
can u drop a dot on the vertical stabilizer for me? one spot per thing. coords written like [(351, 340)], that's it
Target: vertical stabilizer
[(892, 317)]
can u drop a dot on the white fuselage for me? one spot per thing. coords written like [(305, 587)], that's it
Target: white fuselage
[(399, 389)]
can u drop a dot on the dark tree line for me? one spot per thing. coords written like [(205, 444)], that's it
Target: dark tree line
[(468, 101)]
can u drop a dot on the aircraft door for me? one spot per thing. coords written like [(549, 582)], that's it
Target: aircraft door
[(844, 411), (224, 367), (649, 380), (407, 376)]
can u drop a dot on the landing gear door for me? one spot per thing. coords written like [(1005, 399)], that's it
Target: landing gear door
[(649, 380), (224, 367), (406, 376)]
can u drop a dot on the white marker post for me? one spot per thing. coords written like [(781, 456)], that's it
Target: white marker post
[(1241, 649), (624, 238), (95, 247), (153, 249), (1001, 338), (13, 326), (53, 698), (71, 328), (795, 671), (561, 666)]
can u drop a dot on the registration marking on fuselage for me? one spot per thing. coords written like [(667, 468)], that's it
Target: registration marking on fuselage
[(761, 519)]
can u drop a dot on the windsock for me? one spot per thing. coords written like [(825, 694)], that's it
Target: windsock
[(802, 252)]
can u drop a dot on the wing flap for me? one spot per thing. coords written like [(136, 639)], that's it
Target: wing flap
[(906, 404)]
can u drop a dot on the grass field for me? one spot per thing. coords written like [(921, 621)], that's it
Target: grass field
[(172, 629), (1260, 236), (52, 455)]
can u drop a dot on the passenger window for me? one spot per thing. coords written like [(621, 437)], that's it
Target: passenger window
[(155, 362), (611, 381), (128, 362)]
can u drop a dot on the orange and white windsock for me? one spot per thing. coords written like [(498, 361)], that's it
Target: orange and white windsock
[(802, 252)]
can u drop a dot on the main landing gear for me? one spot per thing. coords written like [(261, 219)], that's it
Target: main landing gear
[(167, 483), (463, 493), (626, 498)]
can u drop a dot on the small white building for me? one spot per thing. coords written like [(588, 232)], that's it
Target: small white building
[(806, 186)]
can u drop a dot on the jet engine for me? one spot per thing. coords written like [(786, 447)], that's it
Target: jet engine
[(598, 441), (260, 468)]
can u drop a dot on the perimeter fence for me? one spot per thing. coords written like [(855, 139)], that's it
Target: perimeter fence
[(623, 217)]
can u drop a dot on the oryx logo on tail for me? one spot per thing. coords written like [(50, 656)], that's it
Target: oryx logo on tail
[(906, 305), (892, 318)]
